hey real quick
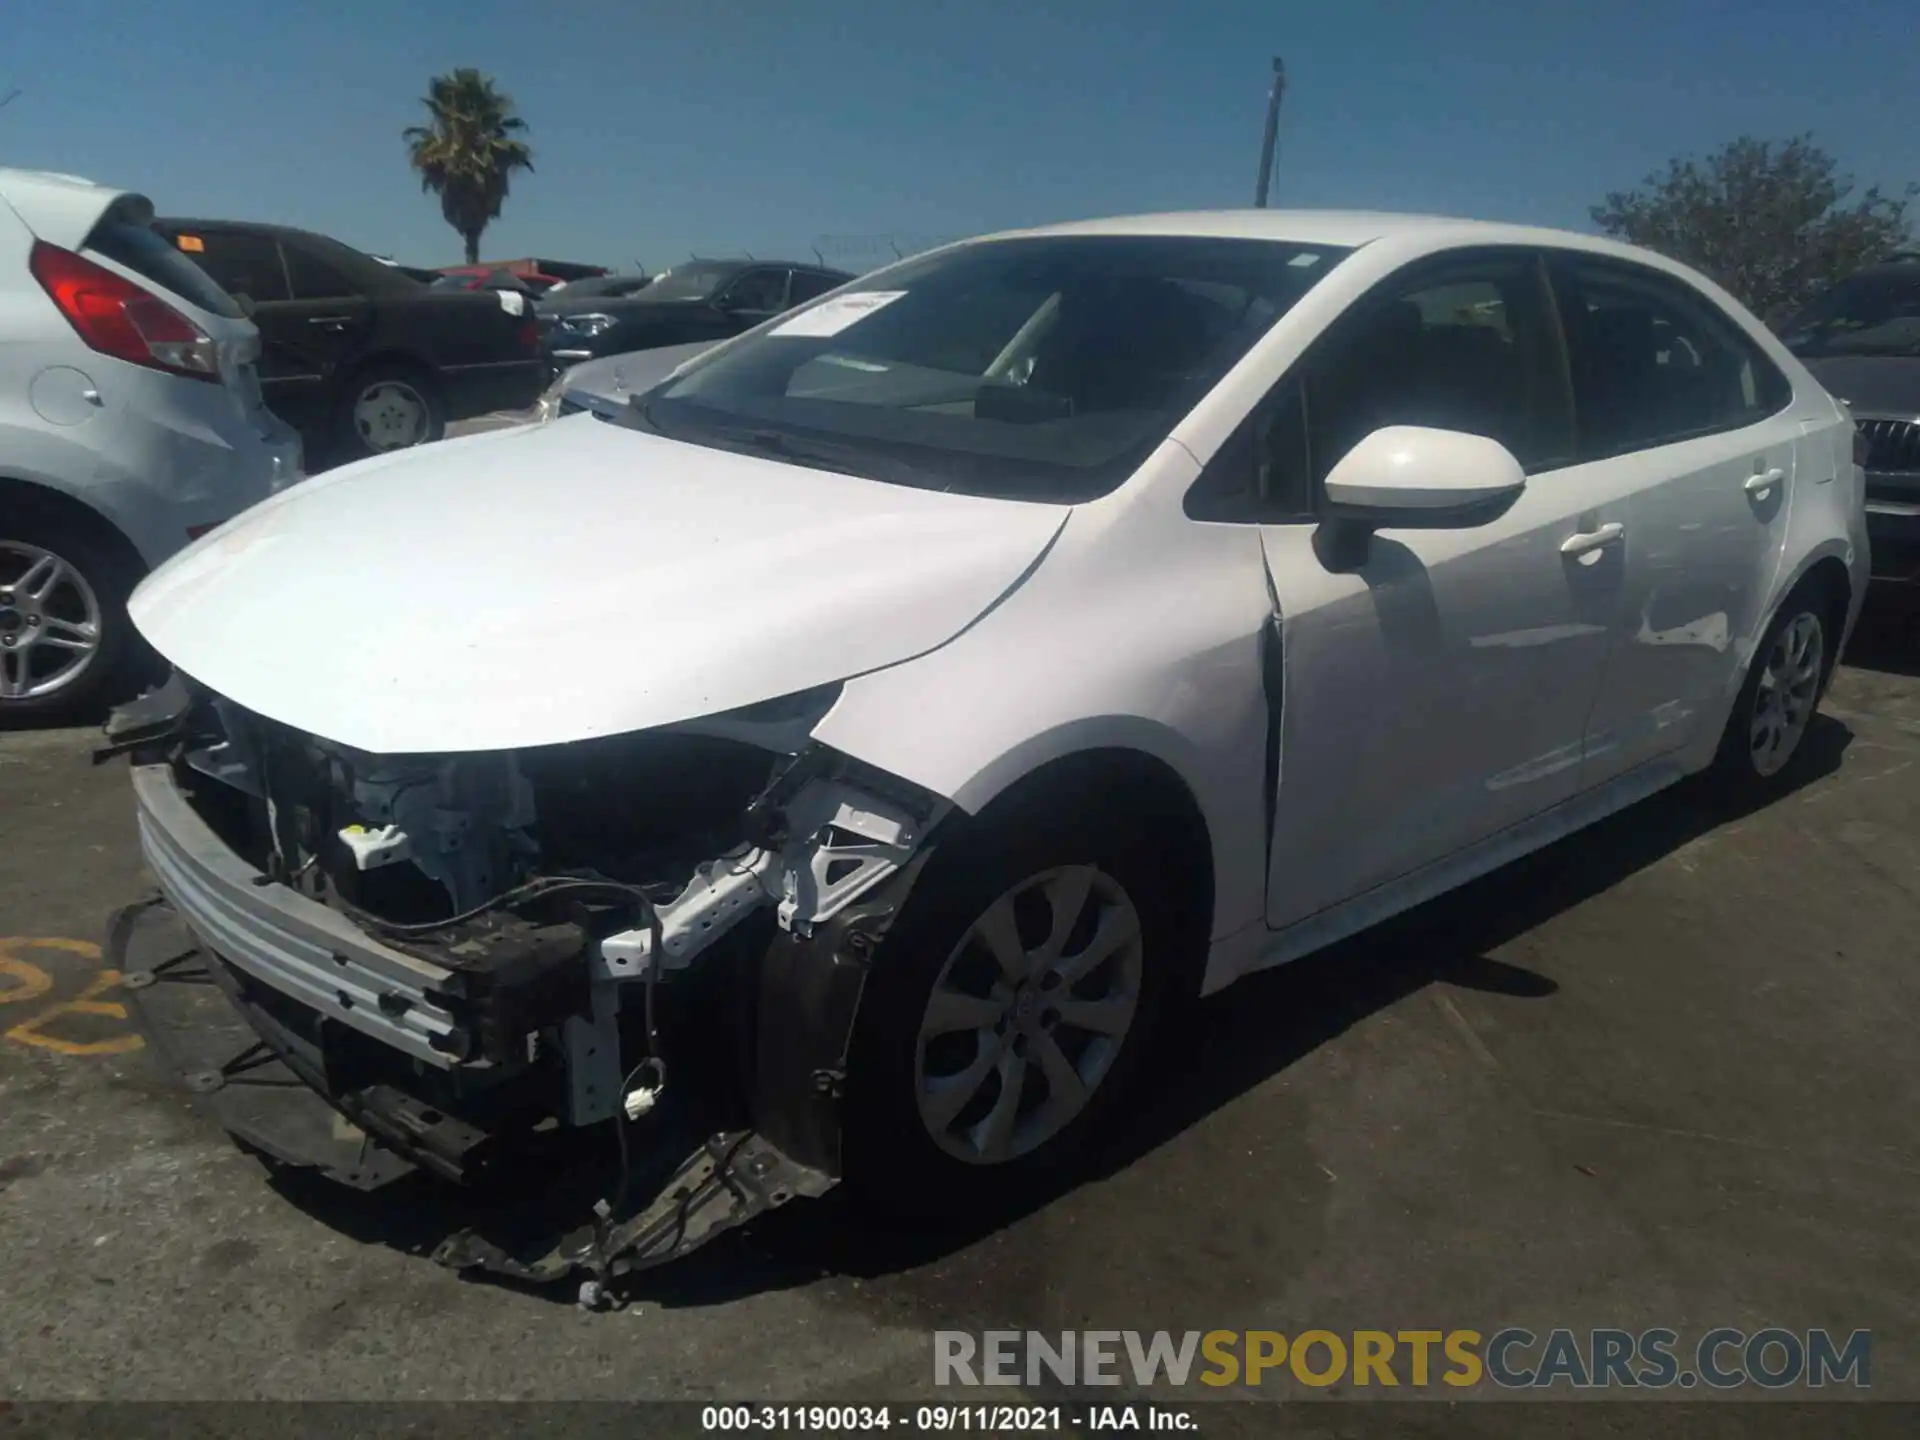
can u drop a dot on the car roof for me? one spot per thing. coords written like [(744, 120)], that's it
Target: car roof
[(354, 264), (1346, 228)]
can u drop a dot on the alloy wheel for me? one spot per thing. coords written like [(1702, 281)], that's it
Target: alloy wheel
[(390, 415), (49, 622), (1028, 1014), (1789, 689)]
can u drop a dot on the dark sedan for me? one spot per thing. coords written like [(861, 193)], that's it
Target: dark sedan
[(357, 356), (701, 300), (1862, 340)]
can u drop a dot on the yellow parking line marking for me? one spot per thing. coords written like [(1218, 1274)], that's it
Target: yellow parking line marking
[(29, 1032), (32, 981)]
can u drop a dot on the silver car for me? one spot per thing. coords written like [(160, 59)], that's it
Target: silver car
[(130, 423)]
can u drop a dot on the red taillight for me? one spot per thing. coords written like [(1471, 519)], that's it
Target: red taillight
[(116, 317), (529, 334)]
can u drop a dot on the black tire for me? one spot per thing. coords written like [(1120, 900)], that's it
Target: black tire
[(893, 1163), (109, 578), (410, 382), (1745, 766)]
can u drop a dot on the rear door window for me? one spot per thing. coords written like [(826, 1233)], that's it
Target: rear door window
[(241, 263), (312, 278), (148, 254), (1655, 362)]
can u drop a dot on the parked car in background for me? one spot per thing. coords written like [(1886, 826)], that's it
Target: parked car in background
[(357, 356), (412, 272), (600, 287), (131, 421), (1862, 338), (701, 300), (930, 693)]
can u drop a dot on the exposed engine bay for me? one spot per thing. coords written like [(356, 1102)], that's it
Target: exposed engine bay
[(486, 960)]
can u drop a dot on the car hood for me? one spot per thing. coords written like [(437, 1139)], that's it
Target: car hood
[(1871, 384), (572, 580)]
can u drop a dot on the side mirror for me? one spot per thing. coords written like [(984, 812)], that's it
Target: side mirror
[(1410, 477), (245, 302)]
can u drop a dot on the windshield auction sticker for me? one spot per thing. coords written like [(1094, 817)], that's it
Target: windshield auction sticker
[(830, 317)]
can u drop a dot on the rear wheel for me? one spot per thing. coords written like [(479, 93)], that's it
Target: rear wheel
[(1009, 1012), (391, 407), (1776, 705), (64, 632)]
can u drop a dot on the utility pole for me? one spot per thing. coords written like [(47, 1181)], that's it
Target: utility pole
[(1271, 133)]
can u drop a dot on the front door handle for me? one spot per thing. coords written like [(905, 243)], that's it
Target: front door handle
[(1764, 481), (1607, 534), (331, 322)]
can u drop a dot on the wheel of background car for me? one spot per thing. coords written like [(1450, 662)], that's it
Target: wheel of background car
[(1785, 680), (391, 408), (1009, 1012), (64, 632)]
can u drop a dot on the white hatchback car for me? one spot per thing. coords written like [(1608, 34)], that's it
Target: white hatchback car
[(130, 422), (969, 667)]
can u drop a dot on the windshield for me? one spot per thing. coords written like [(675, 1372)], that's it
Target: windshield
[(1877, 313), (689, 282), (1042, 368), (599, 285)]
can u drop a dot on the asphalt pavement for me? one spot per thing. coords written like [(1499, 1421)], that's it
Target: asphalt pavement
[(1661, 1074)]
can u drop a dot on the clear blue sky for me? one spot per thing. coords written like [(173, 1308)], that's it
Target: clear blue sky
[(723, 125)]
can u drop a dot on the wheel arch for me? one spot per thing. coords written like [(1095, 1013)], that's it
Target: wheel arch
[(1125, 758), (53, 504), (1826, 567), (388, 356)]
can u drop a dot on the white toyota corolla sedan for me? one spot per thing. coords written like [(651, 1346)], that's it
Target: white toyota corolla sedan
[(839, 760)]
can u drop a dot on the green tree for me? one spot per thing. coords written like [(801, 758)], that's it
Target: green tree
[(1774, 222), (468, 151)]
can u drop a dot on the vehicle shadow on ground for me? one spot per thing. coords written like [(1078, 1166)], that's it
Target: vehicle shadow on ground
[(1229, 1045)]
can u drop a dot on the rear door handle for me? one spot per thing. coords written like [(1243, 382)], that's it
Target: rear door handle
[(1764, 481), (1607, 534), (331, 322)]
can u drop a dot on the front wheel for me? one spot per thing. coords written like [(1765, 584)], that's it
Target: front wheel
[(1009, 1013)]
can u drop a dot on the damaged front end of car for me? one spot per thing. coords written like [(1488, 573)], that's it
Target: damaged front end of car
[(626, 966)]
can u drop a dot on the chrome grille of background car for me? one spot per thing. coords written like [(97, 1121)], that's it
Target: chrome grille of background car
[(1891, 444)]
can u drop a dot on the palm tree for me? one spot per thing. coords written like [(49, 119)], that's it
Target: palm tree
[(469, 151)]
